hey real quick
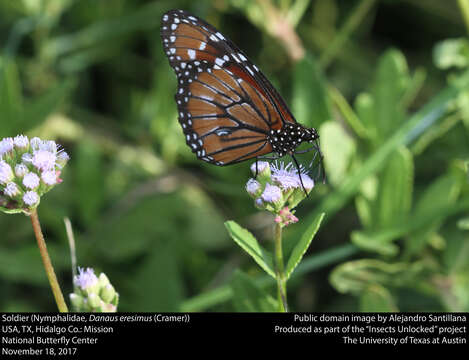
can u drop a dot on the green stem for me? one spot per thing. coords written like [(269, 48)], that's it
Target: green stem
[(280, 272), (54, 284), (355, 19)]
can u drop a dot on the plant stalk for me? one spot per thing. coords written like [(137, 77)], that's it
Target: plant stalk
[(280, 272), (54, 284)]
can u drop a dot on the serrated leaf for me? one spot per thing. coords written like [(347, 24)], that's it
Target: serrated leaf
[(301, 247), (249, 297), (250, 244)]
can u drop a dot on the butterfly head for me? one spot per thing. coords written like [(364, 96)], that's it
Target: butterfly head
[(310, 135)]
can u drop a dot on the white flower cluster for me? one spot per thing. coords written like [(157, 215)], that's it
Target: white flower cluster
[(28, 169)]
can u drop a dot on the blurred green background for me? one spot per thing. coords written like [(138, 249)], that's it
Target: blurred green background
[(386, 82)]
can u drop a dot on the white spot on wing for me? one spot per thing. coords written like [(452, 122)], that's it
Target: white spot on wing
[(191, 53), (202, 46), (219, 62)]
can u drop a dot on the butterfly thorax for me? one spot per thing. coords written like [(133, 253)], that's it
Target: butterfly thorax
[(289, 137)]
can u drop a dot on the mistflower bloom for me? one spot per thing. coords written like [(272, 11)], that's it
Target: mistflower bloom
[(93, 293), (49, 177), (260, 166), (21, 142), (271, 194), (85, 279), (285, 176), (11, 190), (36, 143), (6, 145), (308, 183), (253, 187), (43, 160), (6, 174), (62, 158), (31, 181), (28, 169), (31, 198)]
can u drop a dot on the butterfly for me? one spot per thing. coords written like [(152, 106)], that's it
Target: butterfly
[(228, 110)]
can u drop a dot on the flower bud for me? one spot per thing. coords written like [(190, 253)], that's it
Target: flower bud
[(21, 142), (6, 146), (11, 190), (31, 198), (261, 171), (254, 188), (108, 293), (77, 301), (6, 174), (93, 301), (21, 170)]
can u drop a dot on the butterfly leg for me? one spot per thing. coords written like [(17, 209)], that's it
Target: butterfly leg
[(299, 174), (263, 158)]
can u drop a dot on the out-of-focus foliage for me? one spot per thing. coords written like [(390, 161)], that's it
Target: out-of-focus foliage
[(385, 82)]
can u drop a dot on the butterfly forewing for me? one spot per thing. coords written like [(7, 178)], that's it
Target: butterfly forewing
[(226, 105)]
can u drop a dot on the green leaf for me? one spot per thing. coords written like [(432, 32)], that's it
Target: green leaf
[(374, 242), (250, 244), (337, 163), (391, 81), (301, 247), (11, 98), (157, 285), (451, 52), (249, 297), (441, 193), (89, 183), (310, 102), (377, 298), (395, 189), (365, 108), (356, 276)]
